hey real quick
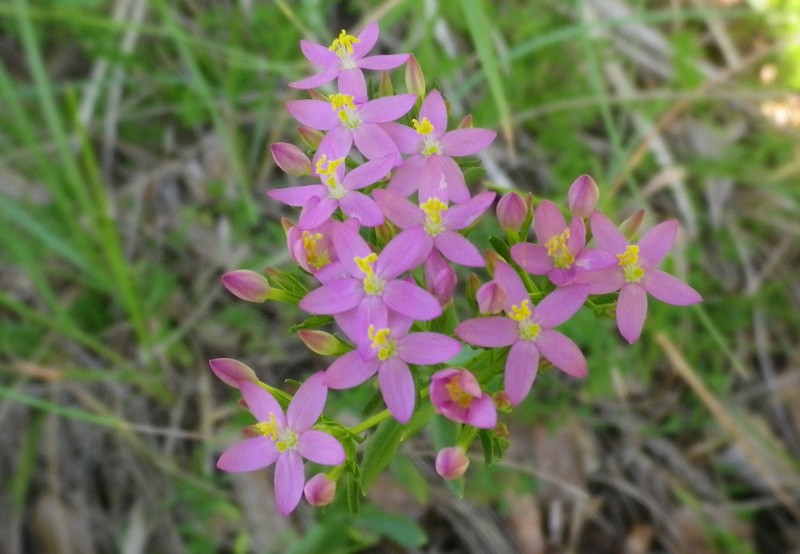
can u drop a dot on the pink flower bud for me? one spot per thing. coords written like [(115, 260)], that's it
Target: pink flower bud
[(415, 79), (232, 372), (512, 211), (290, 159), (322, 343), (630, 226), (247, 285), (457, 395), (310, 137), (320, 490), (452, 462), (466, 122), (583, 195), (440, 278), (491, 298)]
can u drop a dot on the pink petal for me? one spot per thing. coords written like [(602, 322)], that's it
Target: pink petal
[(408, 141), (351, 81), (319, 55), (463, 215), (602, 281), (316, 80), (631, 311), (334, 297), (368, 173), (349, 245), (427, 348), (456, 187), (338, 139), (313, 113), (466, 142), (432, 182), (548, 221), (397, 388), (406, 179), (350, 371), (361, 208), (261, 403), (410, 300), (656, 243), (316, 212), (490, 332), (577, 236), (532, 258), (404, 252), (398, 210), (320, 448), (386, 109), (373, 142), (248, 455), (289, 481), (433, 108), (458, 249), (560, 305), (482, 414), (595, 258), (521, 368), (367, 39), (669, 289), (383, 62), (516, 292), (562, 353), (297, 196), (606, 234), (307, 405)]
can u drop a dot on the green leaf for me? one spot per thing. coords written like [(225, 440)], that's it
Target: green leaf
[(409, 476), (400, 529), (500, 246)]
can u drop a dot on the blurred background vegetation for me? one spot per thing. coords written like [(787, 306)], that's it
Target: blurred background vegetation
[(133, 164)]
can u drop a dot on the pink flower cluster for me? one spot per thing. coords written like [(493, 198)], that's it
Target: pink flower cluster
[(381, 229)]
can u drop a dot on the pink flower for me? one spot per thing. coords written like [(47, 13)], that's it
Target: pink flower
[(345, 58), (434, 224), (247, 285), (313, 251), (458, 396), (635, 274), (290, 159), (529, 332), (349, 118), (285, 440), (320, 490), (561, 252), (512, 210), (370, 287), (431, 167), (232, 372), (389, 350), (451, 462), (583, 195), (338, 190)]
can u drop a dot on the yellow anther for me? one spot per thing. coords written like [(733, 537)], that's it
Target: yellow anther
[(433, 208), (373, 285), (630, 256), (268, 428), (520, 312), (339, 101), (457, 393), (325, 167), (315, 256), (343, 42), (365, 263), (284, 439), (557, 249), (381, 342), (423, 128)]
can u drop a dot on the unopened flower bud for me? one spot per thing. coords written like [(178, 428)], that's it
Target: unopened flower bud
[(322, 342), (491, 258), (512, 211), (440, 278), (466, 122), (232, 372), (583, 195), (247, 285), (291, 159), (501, 401), (491, 298), (310, 137), (415, 79), (320, 490), (630, 226), (452, 462), (385, 86)]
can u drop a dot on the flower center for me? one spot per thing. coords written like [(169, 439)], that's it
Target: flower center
[(343, 46), (317, 257), (381, 342), (558, 251), (347, 113), (328, 175), (433, 208), (457, 393), (284, 439), (373, 285), (430, 145), (527, 329), (629, 262)]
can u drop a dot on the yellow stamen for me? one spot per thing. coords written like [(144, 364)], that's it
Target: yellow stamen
[(381, 342), (284, 439), (458, 394), (343, 42), (315, 256), (557, 249), (340, 100), (433, 208), (373, 285), (520, 312), (423, 128), (629, 262)]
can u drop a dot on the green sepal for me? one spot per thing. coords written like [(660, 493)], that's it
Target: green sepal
[(313, 322), (500, 247)]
